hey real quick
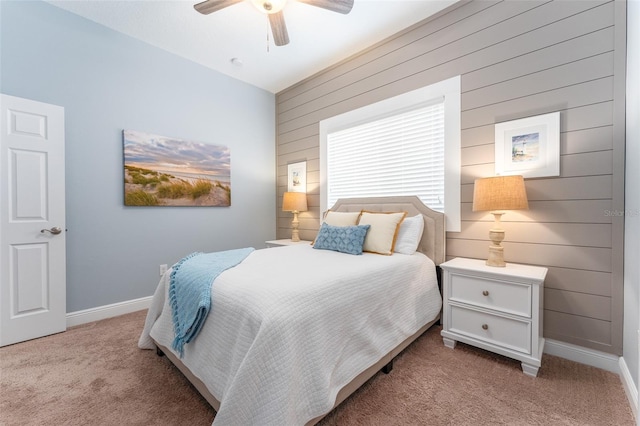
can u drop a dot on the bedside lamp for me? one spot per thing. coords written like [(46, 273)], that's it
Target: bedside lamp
[(294, 202), (496, 194)]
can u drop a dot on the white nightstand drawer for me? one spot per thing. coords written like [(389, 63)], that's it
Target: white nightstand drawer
[(506, 332), (498, 295)]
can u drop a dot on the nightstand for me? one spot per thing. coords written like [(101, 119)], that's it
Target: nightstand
[(286, 242), (496, 309)]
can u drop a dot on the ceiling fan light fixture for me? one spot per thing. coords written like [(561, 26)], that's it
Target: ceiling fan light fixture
[(273, 10), (269, 6)]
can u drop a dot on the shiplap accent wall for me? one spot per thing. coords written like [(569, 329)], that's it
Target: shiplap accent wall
[(516, 59)]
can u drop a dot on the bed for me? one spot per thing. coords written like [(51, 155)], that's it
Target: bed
[(340, 319)]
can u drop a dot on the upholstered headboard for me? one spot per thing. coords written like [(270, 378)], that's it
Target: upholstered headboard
[(433, 237)]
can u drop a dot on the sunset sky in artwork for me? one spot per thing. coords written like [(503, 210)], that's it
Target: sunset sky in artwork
[(165, 154)]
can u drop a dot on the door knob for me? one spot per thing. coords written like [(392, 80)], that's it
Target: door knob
[(55, 230)]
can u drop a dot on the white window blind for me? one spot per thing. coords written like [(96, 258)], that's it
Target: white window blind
[(401, 154)]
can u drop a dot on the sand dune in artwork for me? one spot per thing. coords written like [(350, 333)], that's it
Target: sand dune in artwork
[(144, 187)]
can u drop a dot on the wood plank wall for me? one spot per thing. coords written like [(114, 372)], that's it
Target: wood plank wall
[(516, 59)]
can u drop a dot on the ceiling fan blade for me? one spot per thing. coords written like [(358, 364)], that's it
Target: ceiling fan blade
[(278, 28), (340, 6), (210, 6)]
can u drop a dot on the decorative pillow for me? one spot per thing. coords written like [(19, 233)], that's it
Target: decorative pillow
[(341, 218), (345, 239), (409, 235), (381, 237)]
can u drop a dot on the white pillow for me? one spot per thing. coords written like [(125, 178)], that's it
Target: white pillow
[(409, 235), (381, 237), (341, 218)]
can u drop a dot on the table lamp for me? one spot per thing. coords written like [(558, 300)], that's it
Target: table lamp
[(496, 194), (294, 202)]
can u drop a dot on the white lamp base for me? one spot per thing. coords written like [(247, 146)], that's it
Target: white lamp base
[(496, 256), (295, 235), (496, 251)]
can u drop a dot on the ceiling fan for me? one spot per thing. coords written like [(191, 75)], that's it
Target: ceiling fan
[(273, 9)]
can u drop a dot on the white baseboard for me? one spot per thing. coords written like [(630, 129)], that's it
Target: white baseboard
[(582, 355), (629, 387), (108, 311)]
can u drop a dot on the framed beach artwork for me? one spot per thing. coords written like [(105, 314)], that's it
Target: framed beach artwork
[(164, 171), (529, 146), (297, 177)]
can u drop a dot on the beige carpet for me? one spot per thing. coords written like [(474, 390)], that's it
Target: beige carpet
[(95, 375)]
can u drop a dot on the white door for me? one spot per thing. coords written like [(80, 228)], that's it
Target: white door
[(32, 220)]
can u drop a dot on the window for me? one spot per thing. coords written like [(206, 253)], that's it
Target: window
[(402, 154), (406, 145)]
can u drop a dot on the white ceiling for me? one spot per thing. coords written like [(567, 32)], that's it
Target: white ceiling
[(319, 38)]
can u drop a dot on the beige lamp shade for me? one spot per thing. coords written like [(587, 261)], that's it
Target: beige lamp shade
[(499, 193), (294, 202)]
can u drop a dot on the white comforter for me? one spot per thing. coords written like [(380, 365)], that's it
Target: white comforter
[(290, 326)]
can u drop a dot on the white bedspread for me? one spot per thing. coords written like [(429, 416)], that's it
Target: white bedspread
[(290, 326)]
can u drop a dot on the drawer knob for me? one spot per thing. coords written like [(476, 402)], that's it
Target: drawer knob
[(485, 327), (485, 293)]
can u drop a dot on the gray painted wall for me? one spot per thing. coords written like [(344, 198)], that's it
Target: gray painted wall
[(516, 59), (108, 82), (632, 196)]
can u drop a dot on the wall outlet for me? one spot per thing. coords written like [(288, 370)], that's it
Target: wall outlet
[(163, 269)]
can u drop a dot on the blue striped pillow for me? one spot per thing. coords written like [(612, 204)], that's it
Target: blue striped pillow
[(345, 239)]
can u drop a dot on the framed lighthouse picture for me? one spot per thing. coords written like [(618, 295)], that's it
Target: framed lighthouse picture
[(528, 146)]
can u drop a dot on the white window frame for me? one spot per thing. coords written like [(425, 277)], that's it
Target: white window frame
[(449, 90)]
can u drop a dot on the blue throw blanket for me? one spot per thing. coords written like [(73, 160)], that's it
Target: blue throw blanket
[(190, 290)]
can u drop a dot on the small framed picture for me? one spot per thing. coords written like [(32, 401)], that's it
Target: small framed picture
[(529, 146), (297, 177)]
